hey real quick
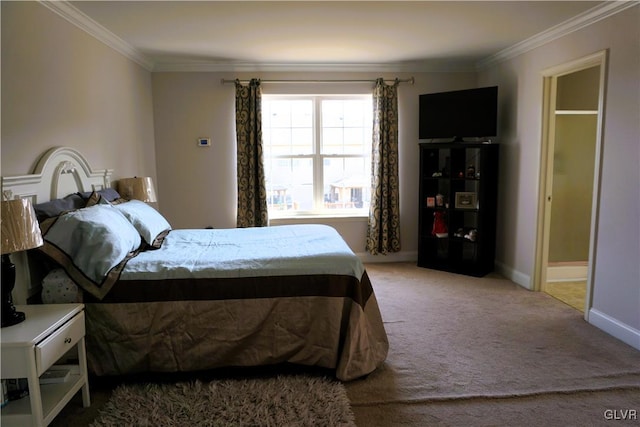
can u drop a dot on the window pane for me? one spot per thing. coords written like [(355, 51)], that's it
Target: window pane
[(347, 183), (289, 184), (287, 127), (346, 126), (332, 113), (302, 141), (302, 113), (332, 140), (276, 141), (354, 142), (279, 114), (357, 112)]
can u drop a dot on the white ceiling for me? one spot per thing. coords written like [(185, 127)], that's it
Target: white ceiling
[(259, 34)]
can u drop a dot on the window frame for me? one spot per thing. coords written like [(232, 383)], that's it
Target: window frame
[(318, 158)]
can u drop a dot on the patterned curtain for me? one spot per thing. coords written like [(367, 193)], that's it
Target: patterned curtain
[(383, 232), (252, 194)]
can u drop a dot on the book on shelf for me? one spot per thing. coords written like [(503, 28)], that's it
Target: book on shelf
[(55, 375)]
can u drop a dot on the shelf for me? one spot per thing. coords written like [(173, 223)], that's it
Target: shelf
[(451, 239), (54, 398), (458, 254)]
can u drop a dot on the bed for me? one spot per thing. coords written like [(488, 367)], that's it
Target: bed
[(159, 299)]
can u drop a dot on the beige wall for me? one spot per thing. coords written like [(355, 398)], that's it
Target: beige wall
[(191, 105), (616, 293), (62, 87)]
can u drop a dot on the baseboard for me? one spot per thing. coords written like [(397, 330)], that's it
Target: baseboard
[(567, 272), (402, 256), (515, 276), (615, 328)]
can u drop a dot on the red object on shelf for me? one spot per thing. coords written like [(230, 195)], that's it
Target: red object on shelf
[(439, 224)]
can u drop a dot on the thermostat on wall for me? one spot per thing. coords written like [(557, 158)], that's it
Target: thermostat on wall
[(204, 142)]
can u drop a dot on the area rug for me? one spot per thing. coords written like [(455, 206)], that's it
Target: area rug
[(297, 400)]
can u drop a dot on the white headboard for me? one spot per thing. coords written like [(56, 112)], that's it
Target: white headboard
[(59, 172)]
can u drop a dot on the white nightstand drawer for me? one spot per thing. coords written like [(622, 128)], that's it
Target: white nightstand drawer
[(57, 344)]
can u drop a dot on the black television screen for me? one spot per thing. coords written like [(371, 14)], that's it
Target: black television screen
[(470, 113)]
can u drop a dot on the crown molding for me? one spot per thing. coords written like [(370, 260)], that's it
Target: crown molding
[(85, 23), (408, 67), (604, 10)]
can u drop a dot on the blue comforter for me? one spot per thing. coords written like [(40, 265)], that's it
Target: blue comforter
[(246, 252)]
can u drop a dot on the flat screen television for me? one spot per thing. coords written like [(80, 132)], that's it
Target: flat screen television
[(454, 115)]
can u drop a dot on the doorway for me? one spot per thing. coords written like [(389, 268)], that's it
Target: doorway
[(569, 178)]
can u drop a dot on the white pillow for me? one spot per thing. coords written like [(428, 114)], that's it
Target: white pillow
[(151, 225)]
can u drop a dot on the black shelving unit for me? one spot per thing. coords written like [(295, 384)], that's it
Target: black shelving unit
[(465, 175)]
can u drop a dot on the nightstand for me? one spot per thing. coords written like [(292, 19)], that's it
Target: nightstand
[(33, 346)]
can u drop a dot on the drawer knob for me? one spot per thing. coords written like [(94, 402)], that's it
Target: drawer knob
[(67, 340)]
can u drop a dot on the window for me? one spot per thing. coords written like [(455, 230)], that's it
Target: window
[(317, 154)]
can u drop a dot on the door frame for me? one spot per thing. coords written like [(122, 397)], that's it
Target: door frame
[(550, 77)]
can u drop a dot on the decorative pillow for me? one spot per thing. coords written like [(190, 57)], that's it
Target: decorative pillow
[(92, 244), (109, 194), (151, 225), (100, 199), (118, 201), (96, 199), (58, 288), (55, 207)]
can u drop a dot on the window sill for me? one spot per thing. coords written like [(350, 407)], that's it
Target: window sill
[(347, 217)]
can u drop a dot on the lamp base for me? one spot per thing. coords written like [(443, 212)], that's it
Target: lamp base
[(10, 316)]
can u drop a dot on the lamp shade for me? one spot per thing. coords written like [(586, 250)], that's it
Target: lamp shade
[(20, 229), (139, 188)]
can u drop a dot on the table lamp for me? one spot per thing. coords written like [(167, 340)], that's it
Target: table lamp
[(20, 231), (139, 188)]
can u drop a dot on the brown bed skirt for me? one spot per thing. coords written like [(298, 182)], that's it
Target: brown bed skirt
[(327, 321)]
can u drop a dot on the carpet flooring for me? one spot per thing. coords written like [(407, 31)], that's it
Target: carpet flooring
[(468, 351)]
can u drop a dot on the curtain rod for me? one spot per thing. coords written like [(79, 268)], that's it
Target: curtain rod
[(410, 80)]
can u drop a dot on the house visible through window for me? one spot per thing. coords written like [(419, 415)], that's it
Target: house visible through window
[(317, 154)]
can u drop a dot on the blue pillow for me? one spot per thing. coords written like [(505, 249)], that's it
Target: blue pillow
[(55, 207), (72, 202), (92, 244), (151, 225)]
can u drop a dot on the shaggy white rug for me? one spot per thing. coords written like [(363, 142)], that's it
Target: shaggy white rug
[(279, 401)]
